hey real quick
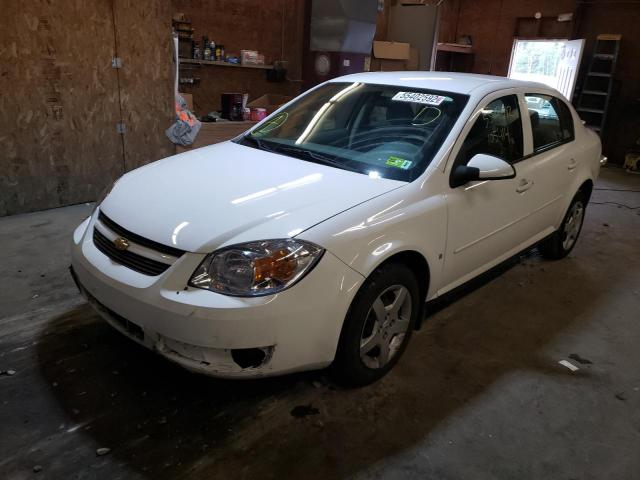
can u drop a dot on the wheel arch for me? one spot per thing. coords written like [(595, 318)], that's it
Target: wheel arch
[(585, 185), (419, 265), (587, 188)]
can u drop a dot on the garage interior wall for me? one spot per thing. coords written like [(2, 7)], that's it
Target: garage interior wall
[(613, 16), (492, 25), (58, 125), (62, 100), (275, 28), (415, 24), (143, 35)]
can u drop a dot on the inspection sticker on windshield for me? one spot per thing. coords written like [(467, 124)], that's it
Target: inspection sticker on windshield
[(416, 97), (398, 162)]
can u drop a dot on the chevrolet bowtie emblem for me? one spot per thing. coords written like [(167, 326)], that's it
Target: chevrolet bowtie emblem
[(121, 243)]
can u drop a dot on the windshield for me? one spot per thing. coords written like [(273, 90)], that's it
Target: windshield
[(378, 130)]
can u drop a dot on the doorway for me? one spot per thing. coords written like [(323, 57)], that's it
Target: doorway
[(552, 62)]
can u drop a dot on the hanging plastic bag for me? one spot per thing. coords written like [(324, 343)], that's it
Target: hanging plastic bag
[(185, 129)]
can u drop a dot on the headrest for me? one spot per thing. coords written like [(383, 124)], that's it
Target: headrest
[(535, 118)]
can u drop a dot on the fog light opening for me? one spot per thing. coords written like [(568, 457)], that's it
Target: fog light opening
[(251, 357)]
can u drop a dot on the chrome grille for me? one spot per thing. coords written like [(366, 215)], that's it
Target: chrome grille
[(127, 258), (135, 238)]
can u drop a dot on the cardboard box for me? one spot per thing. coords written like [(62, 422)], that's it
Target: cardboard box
[(251, 57), (414, 59), (391, 50), (392, 65), (271, 102), (391, 56)]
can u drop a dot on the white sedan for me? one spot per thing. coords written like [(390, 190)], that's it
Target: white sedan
[(317, 237)]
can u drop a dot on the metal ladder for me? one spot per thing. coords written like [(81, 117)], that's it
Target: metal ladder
[(593, 103)]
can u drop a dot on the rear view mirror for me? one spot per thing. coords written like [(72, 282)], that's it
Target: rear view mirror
[(482, 167)]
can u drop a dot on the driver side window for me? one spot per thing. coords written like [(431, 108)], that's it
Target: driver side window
[(497, 132)]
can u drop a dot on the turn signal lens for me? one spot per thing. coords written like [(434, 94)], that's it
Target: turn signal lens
[(256, 268), (280, 266)]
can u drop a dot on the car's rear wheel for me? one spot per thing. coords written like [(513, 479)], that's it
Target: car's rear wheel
[(560, 244), (378, 325)]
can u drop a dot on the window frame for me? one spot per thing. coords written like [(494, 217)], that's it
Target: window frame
[(558, 143), (462, 138)]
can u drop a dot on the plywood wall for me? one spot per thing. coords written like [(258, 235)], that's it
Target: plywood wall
[(59, 104), (274, 27), (61, 99), (146, 78)]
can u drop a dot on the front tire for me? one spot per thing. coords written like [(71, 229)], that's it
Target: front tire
[(560, 244), (378, 325)]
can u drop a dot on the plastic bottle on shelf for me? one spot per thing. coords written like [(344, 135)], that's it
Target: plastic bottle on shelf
[(212, 47), (197, 53), (206, 51)]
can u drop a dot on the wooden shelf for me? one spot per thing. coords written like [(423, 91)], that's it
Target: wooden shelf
[(454, 47), (216, 132), (218, 63)]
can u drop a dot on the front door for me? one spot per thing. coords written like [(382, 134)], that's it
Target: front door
[(487, 219)]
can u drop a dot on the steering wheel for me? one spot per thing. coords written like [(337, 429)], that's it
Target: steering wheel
[(412, 135)]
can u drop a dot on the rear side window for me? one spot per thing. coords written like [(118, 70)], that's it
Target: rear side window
[(551, 121), (497, 131)]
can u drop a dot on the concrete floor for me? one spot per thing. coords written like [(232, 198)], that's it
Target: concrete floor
[(479, 393)]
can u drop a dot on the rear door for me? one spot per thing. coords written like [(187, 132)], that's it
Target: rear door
[(549, 123)]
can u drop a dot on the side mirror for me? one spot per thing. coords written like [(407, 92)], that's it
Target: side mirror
[(482, 167)]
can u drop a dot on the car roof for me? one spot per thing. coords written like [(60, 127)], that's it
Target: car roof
[(465, 83)]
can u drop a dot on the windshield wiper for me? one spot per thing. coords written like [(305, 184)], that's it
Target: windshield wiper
[(313, 157), (275, 147), (260, 144)]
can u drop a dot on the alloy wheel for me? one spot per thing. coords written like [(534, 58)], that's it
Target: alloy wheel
[(572, 225), (385, 327)]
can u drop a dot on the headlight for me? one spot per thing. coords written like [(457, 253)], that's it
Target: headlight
[(256, 268)]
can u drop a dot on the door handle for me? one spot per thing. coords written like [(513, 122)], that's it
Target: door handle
[(572, 164), (524, 185)]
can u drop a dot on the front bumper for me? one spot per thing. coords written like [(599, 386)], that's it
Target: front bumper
[(297, 329)]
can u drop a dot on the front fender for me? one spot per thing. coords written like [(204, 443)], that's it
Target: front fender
[(404, 220)]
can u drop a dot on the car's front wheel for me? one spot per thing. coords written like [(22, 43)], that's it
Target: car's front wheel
[(378, 325), (564, 239)]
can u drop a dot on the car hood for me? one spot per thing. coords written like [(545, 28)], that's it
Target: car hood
[(228, 193)]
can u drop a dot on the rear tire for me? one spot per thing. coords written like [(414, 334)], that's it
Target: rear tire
[(560, 243), (378, 326)]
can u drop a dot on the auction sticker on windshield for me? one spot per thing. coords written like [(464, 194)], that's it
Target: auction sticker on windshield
[(416, 97), (398, 162)]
